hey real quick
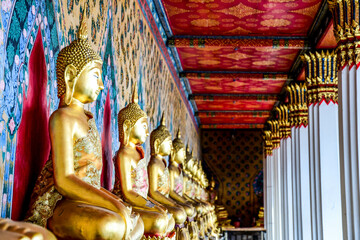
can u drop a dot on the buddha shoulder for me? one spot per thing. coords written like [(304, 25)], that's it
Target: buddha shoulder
[(66, 113), (65, 119), (61, 117), (156, 161), (128, 153), (172, 168)]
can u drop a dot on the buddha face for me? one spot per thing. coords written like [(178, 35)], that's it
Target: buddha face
[(212, 183), (139, 132), (165, 147), (190, 164), (180, 156), (89, 84)]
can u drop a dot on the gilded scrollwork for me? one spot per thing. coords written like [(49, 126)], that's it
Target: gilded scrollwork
[(275, 133), (298, 107), (321, 76), (346, 29), (284, 123), (268, 142)]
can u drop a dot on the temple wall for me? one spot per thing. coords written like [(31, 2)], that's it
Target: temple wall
[(125, 35), (236, 159)]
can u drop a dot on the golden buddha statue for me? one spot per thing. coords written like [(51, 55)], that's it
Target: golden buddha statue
[(14, 230), (131, 176), (212, 225), (177, 158), (200, 183), (203, 196), (260, 221), (220, 215), (68, 197), (205, 212), (189, 192), (159, 180)]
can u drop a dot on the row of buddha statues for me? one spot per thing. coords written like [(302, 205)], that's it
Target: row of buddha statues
[(150, 200)]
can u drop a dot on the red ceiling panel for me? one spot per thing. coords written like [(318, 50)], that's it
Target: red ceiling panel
[(243, 17), (236, 85), (235, 114), (233, 59), (217, 120), (234, 105), (328, 38), (232, 126), (301, 76)]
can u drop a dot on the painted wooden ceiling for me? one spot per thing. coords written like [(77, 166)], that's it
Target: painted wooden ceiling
[(236, 56)]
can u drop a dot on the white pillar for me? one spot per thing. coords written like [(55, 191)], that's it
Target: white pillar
[(287, 206), (300, 138), (325, 172), (349, 103), (270, 229), (295, 191), (277, 194), (330, 171), (314, 181), (284, 190), (269, 172), (303, 158), (289, 186), (346, 29)]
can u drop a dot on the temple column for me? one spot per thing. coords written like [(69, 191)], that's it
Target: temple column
[(285, 171), (295, 186), (268, 146), (276, 171), (300, 138), (347, 33), (325, 178), (274, 183), (279, 191)]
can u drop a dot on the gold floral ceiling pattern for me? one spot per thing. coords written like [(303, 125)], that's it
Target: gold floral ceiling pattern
[(237, 18)]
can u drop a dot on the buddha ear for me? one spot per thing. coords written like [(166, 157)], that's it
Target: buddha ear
[(70, 81), (172, 152), (156, 145), (126, 130)]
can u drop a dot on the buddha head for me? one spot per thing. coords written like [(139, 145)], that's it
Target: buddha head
[(78, 70), (160, 140), (178, 154), (132, 122), (189, 161), (199, 171), (212, 183), (194, 170)]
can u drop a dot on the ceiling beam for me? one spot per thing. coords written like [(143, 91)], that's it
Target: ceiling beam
[(212, 97), (232, 126), (237, 43)]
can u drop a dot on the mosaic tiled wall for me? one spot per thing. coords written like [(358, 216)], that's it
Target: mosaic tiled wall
[(235, 158), (123, 37)]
